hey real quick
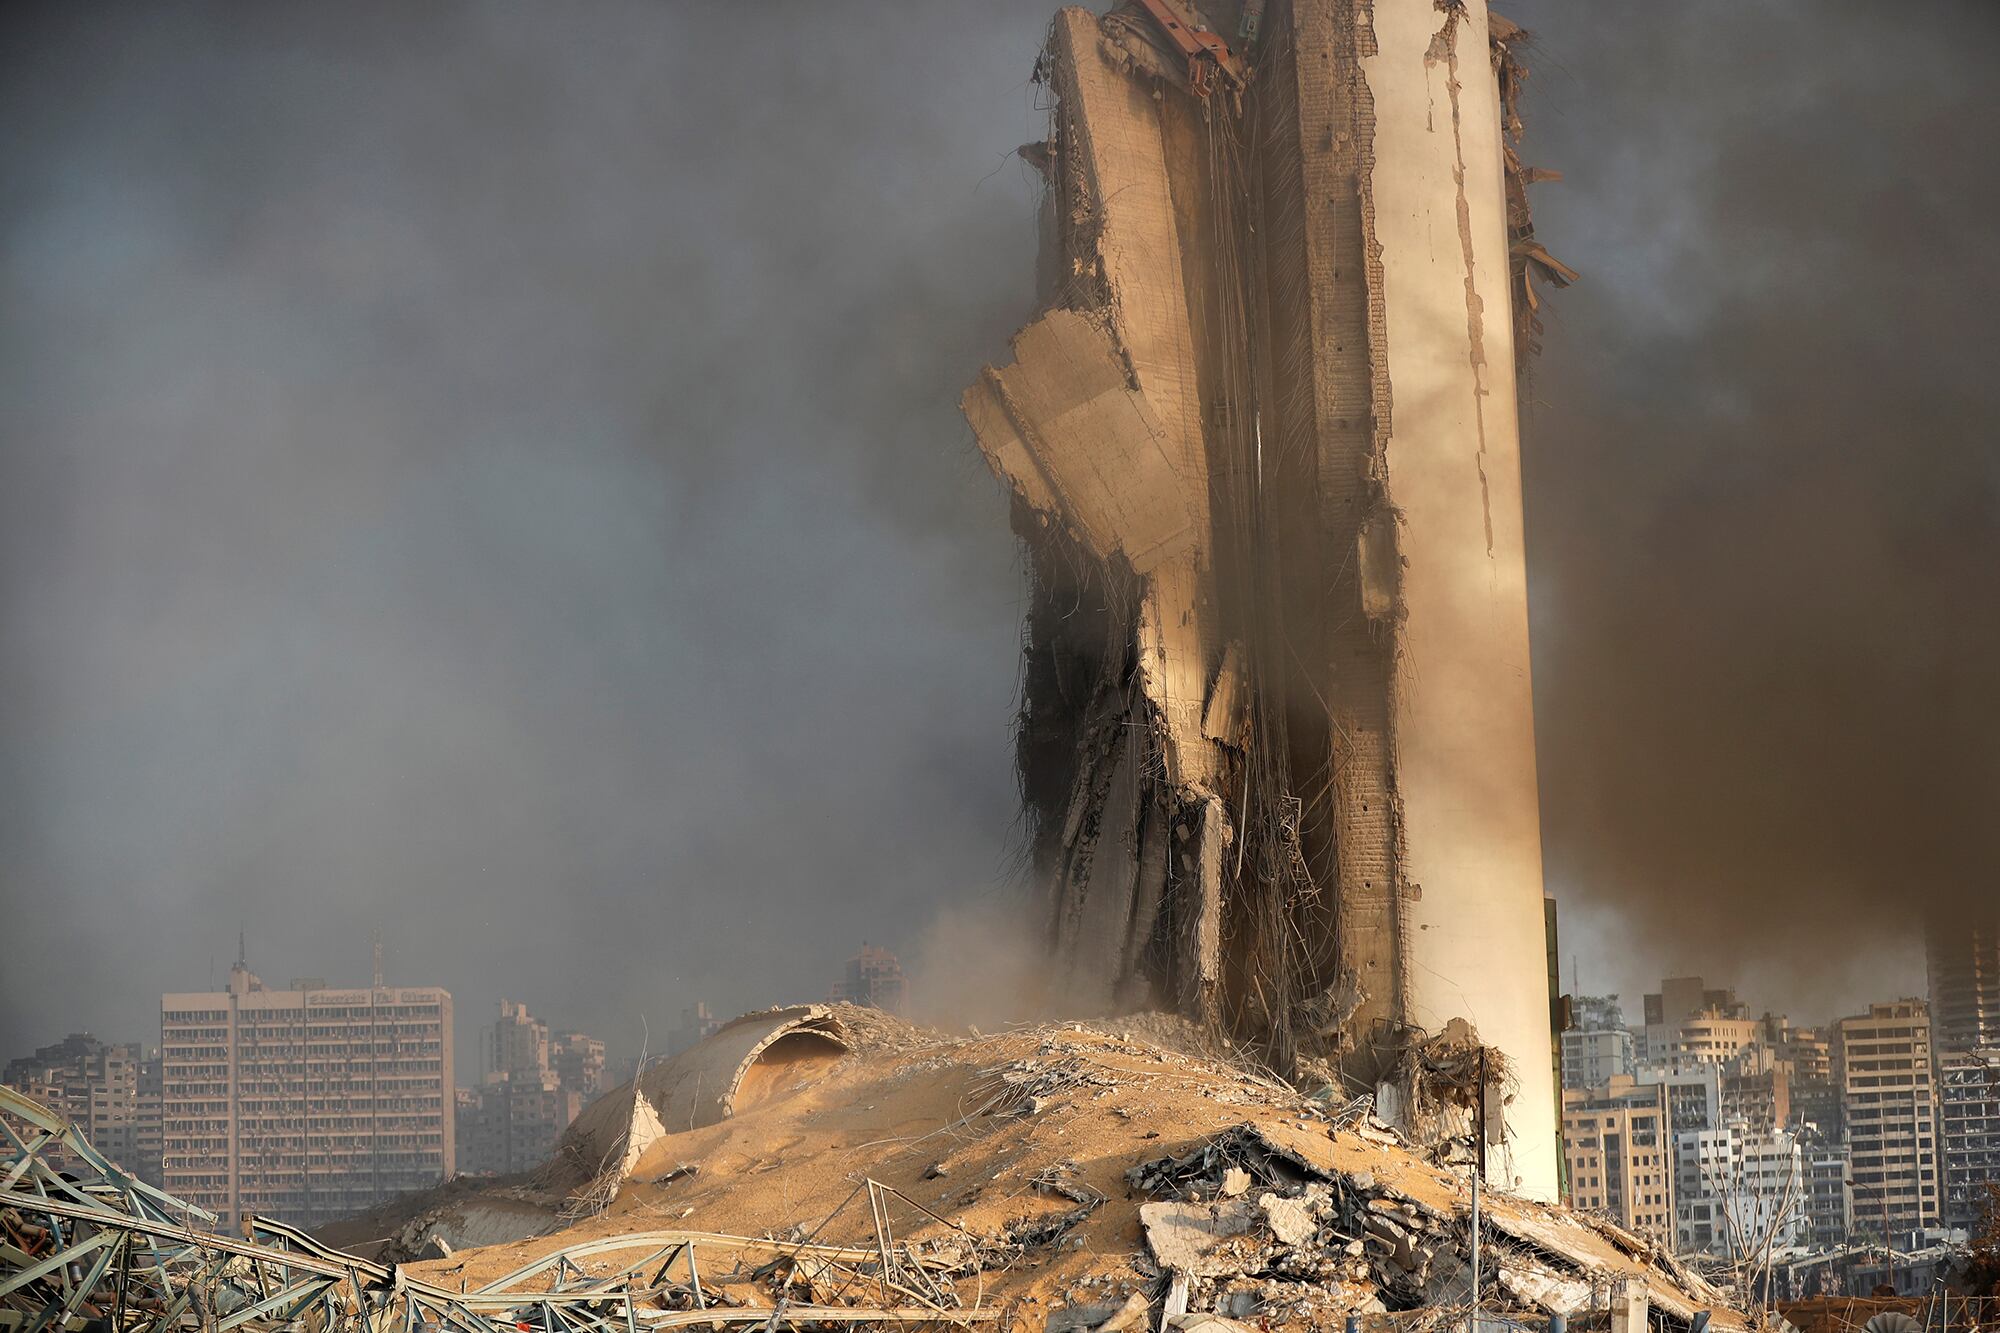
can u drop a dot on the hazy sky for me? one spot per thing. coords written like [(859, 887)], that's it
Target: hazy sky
[(490, 474)]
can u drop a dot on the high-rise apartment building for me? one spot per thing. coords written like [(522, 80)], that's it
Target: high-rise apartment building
[(307, 1104), (1745, 1190), (512, 1124), (1596, 1013), (518, 1043), (1678, 999), (1618, 1154), (1711, 1036), (1807, 1050), (1969, 1124), (1694, 1096), (578, 1060), (1759, 1098), (534, 1087), (1829, 1203), (1803, 1057), (1962, 959), (1592, 1059), (146, 1128), (94, 1085), (1882, 1065), (874, 978)]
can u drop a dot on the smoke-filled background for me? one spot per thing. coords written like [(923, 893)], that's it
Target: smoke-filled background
[(1763, 487), (489, 474)]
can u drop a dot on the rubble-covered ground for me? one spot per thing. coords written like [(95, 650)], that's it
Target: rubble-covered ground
[(1089, 1176)]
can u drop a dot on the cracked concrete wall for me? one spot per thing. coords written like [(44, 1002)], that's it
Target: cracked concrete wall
[(1064, 429), (1352, 404), (1464, 710), (1264, 453), (1097, 427), (1139, 251)]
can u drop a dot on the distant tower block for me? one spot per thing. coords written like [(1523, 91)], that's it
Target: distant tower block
[(874, 978), (1962, 958)]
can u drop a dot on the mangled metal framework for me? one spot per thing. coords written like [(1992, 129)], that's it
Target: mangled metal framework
[(96, 1250), (1276, 738)]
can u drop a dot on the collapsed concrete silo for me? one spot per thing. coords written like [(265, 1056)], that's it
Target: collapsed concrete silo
[(1276, 743)]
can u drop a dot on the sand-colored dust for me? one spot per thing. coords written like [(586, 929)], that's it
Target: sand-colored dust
[(997, 1137), (935, 1118)]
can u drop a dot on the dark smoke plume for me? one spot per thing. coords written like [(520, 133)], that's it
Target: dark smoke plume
[(1764, 482), (489, 474)]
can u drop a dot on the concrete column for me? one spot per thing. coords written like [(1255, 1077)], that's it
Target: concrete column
[(1462, 706)]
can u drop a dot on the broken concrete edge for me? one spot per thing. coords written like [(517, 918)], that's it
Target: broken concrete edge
[(1115, 450), (1081, 427), (1212, 1226), (1528, 259), (1094, 426), (1061, 425), (695, 1088)]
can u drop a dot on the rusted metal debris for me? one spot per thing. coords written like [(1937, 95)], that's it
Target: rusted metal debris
[(1206, 53)]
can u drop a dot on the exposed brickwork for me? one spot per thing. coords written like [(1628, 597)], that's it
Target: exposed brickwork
[(1350, 392)]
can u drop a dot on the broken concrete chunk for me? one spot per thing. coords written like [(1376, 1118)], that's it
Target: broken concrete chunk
[(1194, 1238), (1063, 426), (1239, 1304), (1234, 1182), (1224, 716), (1132, 1314), (1290, 1220)]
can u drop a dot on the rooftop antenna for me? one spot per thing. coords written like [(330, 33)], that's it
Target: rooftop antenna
[(242, 953), (375, 946)]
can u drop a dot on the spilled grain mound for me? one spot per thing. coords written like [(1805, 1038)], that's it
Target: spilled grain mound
[(1099, 1169)]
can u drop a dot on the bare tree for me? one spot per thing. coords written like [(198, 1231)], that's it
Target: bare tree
[(1755, 1212)]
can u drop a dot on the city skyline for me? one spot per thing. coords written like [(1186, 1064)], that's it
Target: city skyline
[(1289, 664), (1609, 966), (1697, 1087), (1737, 1133), (486, 666), (472, 1054)]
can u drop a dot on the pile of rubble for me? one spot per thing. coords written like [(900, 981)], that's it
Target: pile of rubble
[(1087, 1177), (1262, 1224)]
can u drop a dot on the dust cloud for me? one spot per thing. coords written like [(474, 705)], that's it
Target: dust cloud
[(490, 475), (1763, 487), (984, 964)]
